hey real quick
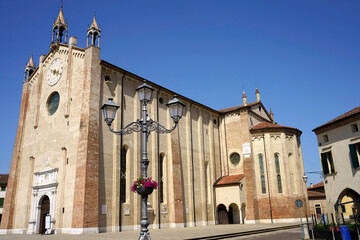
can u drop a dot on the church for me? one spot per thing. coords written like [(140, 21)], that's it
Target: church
[(70, 174)]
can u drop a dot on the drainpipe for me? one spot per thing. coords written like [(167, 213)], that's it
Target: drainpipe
[(158, 156), (121, 143)]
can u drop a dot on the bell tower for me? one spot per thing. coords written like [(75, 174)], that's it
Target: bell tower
[(29, 69), (93, 33), (59, 31)]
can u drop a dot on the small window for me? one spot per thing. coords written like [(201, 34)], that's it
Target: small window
[(107, 79), (215, 121), (53, 102), (259, 108), (3, 188), (354, 128), (326, 138), (327, 163), (235, 158), (161, 100), (1, 202)]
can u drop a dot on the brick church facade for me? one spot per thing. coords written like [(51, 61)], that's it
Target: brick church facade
[(234, 165)]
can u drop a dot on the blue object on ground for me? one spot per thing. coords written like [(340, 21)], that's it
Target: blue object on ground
[(344, 231)]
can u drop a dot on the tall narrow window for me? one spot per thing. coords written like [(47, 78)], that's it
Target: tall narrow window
[(123, 175), (278, 176), (327, 163), (355, 154), (161, 178), (262, 173)]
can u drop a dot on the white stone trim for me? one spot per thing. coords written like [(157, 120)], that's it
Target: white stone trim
[(18, 231), (128, 227), (165, 225), (109, 229), (45, 184), (177, 225), (201, 223), (78, 231), (211, 223), (5, 231)]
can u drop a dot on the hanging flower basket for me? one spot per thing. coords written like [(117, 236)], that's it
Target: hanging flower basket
[(144, 186)]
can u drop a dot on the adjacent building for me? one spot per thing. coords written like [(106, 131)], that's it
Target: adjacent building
[(339, 149), (3, 185), (317, 199), (235, 165)]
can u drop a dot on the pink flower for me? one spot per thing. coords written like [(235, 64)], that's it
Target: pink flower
[(146, 183)]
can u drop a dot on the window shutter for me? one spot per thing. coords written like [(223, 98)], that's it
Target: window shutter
[(354, 158), (324, 163), (331, 163)]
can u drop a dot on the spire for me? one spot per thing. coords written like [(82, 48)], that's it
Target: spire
[(59, 31), (31, 62), (272, 115), (93, 33), (29, 69), (94, 24), (244, 99), (60, 18), (257, 95)]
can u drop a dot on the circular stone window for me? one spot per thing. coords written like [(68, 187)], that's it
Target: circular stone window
[(53, 102), (235, 158)]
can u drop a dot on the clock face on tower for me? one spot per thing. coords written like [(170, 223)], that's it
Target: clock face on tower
[(54, 71)]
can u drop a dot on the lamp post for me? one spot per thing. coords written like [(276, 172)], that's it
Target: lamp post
[(145, 125)]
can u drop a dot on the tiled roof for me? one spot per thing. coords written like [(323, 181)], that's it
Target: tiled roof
[(315, 194), (237, 107), (341, 117), (267, 125), (320, 184), (232, 179), (4, 179)]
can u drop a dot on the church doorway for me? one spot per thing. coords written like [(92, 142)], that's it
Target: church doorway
[(234, 214), (44, 210), (223, 217)]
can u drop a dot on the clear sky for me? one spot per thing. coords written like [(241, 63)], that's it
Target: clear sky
[(303, 56)]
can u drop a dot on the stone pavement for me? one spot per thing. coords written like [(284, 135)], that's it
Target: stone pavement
[(158, 234)]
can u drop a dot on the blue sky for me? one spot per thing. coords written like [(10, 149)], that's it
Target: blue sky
[(303, 56)]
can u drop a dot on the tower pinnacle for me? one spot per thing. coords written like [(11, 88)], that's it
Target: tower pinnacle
[(59, 28), (93, 33), (29, 69)]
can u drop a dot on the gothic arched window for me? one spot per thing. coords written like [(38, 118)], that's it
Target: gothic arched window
[(277, 165), (262, 173)]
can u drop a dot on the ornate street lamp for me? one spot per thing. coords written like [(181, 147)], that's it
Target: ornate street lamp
[(145, 125)]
